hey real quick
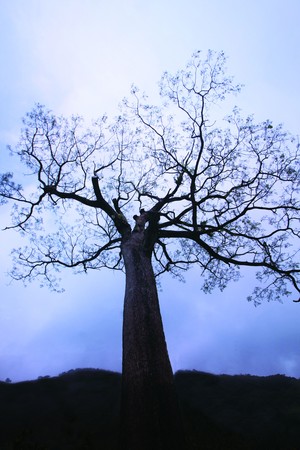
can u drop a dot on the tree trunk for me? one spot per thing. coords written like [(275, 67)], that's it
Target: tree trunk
[(150, 416)]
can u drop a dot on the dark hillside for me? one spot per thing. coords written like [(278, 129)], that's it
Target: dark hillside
[(74, 411), (246, 412), (79, 411)]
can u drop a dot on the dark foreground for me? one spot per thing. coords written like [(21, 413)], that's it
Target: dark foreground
[(79, 410)]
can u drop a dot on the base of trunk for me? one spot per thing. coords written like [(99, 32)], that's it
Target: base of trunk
[(150, 417)]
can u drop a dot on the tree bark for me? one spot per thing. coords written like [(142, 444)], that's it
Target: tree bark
[(150, 415)]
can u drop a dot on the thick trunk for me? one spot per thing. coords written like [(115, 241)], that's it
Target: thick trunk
[(150, 417)]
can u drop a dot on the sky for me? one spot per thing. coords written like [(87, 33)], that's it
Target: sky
[(82, 56)]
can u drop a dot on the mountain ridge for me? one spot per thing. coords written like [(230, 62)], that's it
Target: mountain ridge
[(79, 410)]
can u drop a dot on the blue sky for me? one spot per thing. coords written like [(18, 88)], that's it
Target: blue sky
[(81, 56)]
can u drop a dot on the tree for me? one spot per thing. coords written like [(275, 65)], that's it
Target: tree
[(159, 190)]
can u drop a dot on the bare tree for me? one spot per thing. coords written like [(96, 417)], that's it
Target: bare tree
[(158, 190)]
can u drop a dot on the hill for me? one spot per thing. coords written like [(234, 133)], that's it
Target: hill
[(79, 410)]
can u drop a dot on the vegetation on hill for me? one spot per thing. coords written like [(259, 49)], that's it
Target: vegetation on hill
[(79, 410)]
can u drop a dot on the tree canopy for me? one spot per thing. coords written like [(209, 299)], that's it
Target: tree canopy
[(217, 192)]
